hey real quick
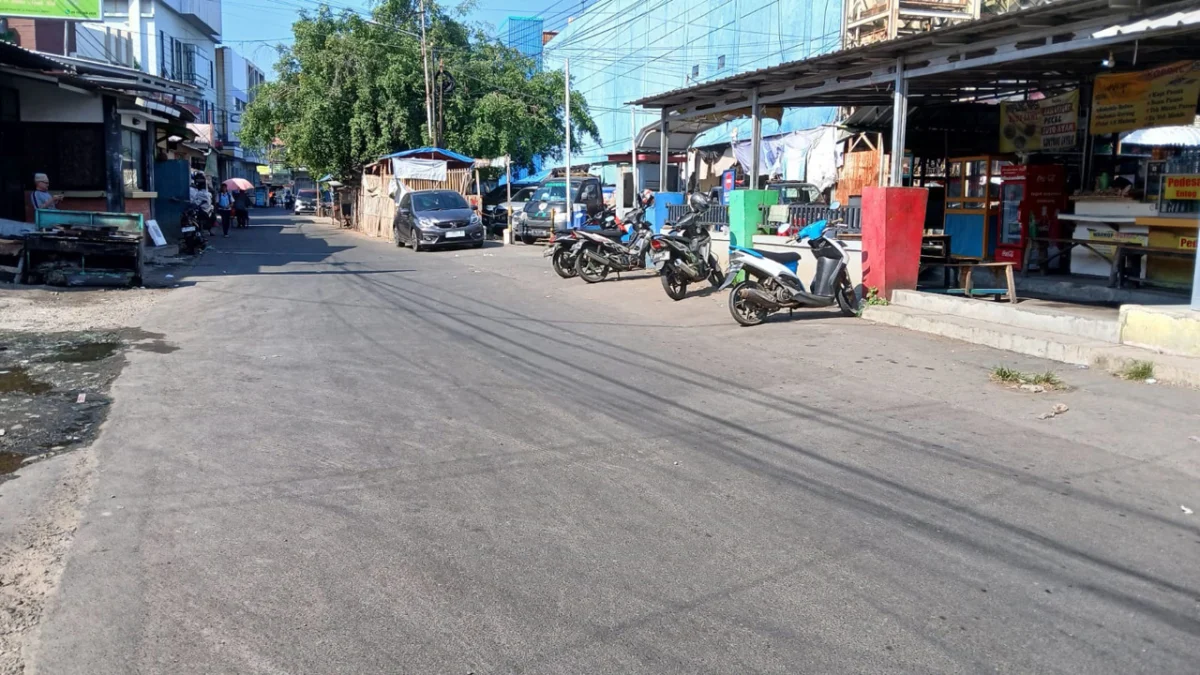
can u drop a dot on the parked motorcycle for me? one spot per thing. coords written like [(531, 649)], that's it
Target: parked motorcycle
[(684, 256), (771, 283), (561, 250), (596, 254), (192, 225)]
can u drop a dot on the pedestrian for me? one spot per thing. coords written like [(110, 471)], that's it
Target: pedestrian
[(41, 197), (225, 208), (199, 195), (241, 208)]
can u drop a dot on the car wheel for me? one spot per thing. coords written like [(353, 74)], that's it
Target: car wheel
[(415, 240), (478, 244), (528, 240), (396, 238)]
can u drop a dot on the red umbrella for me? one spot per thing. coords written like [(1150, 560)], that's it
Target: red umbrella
[(239, 184)]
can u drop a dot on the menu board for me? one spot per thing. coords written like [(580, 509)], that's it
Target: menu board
[(1046, 124), (1149, 98)]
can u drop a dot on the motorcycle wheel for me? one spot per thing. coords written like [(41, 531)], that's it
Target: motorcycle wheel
[(743, 311), (590, 270), (563, 266), (847, 299), (674, 285), (715, 276)]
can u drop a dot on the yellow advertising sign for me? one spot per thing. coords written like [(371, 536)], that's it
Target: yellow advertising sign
[(1151, 98), (1182, 187), (1048, 124), (263, 170), (1187, 243)]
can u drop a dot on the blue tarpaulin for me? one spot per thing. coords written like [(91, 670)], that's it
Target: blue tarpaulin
[(432, 153)]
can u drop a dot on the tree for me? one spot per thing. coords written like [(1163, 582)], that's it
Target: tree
[(349, 90)]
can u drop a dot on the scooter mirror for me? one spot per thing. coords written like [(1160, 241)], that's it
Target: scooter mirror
[(835, 205)]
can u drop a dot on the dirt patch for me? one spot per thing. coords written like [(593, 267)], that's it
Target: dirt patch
[(39, 309), (32, 562)]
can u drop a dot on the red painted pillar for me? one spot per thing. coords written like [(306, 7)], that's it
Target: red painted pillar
[(893, 221)]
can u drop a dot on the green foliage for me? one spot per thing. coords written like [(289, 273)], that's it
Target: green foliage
[(1138, 370), (874, 298), (1010, 376), (349, 90)]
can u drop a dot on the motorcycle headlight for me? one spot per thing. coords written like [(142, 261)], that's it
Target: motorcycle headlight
[(426, 223)]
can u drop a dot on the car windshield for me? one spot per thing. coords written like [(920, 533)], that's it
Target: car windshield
[(555, 191), (307, 194), (438, 201), (523, 195)]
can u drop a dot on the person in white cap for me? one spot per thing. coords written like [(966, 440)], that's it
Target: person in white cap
[(42, 199)]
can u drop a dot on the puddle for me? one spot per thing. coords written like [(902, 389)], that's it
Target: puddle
[(156, 346), (13, 379), (10, 462), (84, 353)]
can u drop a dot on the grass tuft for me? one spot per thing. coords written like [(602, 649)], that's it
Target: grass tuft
[(1137, 370)]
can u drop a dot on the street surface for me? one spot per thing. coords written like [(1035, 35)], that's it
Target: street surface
[(360, 459)]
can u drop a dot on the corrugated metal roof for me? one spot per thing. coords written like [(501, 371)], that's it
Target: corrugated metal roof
[(1177, 137), (1176, 20), (17, 56)]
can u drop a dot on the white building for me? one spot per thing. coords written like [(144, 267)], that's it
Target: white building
[(173, 39), (237, 81)]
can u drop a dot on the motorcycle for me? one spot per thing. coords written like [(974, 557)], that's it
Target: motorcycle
[(595, 254), (684, 256), (561, 250), (192, 225), (771, 283)]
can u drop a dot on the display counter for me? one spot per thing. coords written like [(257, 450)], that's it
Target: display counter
[(1104, 219)]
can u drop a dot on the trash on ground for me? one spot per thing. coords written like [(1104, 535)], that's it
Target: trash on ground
[(82, 398), (1058, 409), (1186, 510)]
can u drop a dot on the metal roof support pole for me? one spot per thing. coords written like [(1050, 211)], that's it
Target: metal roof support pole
[(899, 123), (755, 138), (634, 149), (1196, 288), (664, 146)]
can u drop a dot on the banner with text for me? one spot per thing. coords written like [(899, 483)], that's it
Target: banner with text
[(51, 9), (1048, 124), (1151, 98)]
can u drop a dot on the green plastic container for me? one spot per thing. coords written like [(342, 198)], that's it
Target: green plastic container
[(746, 213)]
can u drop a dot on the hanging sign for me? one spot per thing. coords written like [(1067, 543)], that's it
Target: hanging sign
[(1048, 124), (1181, 187), (78, 10), (1151, 98)]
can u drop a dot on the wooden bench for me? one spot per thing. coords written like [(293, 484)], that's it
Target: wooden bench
[(1119, 252), (966, 268)]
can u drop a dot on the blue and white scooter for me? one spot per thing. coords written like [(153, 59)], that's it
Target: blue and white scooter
[(771, 283)]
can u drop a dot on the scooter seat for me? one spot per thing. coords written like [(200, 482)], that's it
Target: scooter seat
[(781, 258)]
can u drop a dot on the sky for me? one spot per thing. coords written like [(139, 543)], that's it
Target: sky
[(253, 27)]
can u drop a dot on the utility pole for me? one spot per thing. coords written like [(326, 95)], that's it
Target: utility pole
[(567, 117), (428, 88)]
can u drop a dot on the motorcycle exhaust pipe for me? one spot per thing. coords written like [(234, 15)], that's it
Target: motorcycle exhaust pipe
[(687, 270), (758, 297), (596, 257)]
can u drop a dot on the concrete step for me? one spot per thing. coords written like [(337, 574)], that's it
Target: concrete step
[(1093, 328), (1039, 343)]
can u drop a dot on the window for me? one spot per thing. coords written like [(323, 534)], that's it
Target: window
[(721, 62), (695, 72), (162, 55), (132, 173), (438, 201), (116, 7), (405, 201)]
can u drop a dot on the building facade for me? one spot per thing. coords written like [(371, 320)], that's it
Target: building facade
[(623, 50), (237, 81), (175, 40)]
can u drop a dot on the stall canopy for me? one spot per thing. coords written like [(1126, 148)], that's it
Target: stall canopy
[(451, 158), (1172, 137), (1047, 49)]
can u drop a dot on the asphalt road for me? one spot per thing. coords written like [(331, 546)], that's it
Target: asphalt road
[(365, 460)]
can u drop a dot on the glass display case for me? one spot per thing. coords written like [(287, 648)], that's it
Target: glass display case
[(973, 204)]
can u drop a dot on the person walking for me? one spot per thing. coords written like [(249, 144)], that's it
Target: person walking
[(241, 208), (225, 208)]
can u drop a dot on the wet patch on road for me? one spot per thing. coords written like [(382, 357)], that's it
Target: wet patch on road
[(53, 392)]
